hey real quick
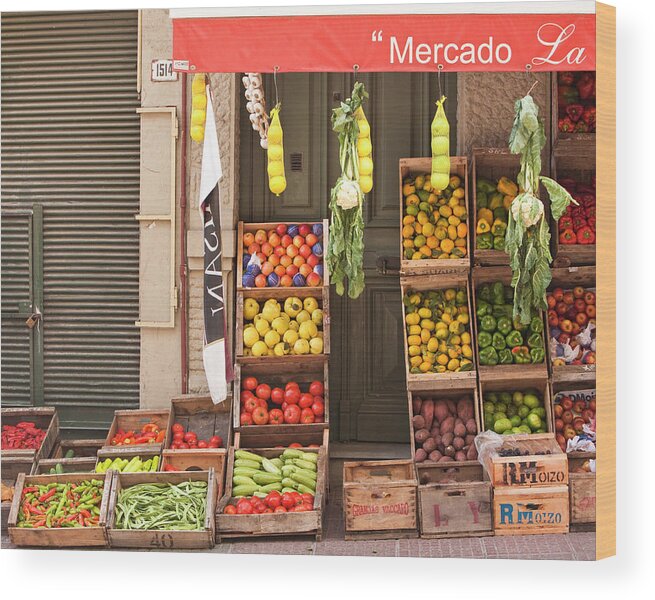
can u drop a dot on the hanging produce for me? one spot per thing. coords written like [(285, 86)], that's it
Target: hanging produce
[(346, 243), (277, 182), (364, 150), (440, 177), (198, 107), (256, 105), (527, 240)]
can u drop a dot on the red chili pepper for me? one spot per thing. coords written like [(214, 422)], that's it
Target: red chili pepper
[(586, 236), (47, 495), (567, 237), (30, 489)]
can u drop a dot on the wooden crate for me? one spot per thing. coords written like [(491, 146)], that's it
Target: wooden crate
[(162, 539), (379, 499), (418, 166), (454, 500), (520, 384), (455, 395), (127, 453), (129, 420), (482, 275), (11, 467), (253, 227), (531, 470), (59, 537), (570, 143), (568, 278), (281, 294), (438, 381), (492, 164), (43, 417), (197, 460), (273, 524), (271, 374), (581, 166), (577, 390), (271, 439), (531, 510), (81, 448), (582, 489), (82, 464)]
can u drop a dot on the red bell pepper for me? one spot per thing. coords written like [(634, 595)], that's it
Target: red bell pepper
[(574, 112), (565, 223), (567, 237), (586, 236), (586, 86), (565, 125)]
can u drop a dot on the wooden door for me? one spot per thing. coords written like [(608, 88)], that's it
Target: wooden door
[(367, 372)]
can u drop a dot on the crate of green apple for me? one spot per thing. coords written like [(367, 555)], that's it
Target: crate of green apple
[(574, 412), (572, 327), (282, 255)]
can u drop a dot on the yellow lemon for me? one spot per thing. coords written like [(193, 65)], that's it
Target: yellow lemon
[(364, 128), (275, 152), (274, 135), (364, 146), (365, 166), (198, 117), (199, 101), (277, 185), (197, 133), (275, 168), (366, 183)]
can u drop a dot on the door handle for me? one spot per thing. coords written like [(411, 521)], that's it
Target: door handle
[(388, 265)]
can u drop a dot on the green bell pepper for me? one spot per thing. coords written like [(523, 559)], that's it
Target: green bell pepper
[(488, 356), (482, 199), (537, 355), (499, 243), (485, 241), (484, 339), (488, 323), (483, 308), (500, 212), (504, 325), (521, 355), (509, 294), (484, 292), (535, 340), (502, 310), (516, 321), (536, 325), (498, 293), (514, 338), (498, 228), (498, 341), (505, 356), (485, 185)]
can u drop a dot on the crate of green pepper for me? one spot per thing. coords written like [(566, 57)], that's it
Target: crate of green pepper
[(505, 346)]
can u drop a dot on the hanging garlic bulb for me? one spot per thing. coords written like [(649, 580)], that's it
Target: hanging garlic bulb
[(256, 105)]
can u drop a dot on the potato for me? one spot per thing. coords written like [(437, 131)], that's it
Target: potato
[(421, 435), (441, 448), (472, 453), (420, 455), (459, 429), (441, 410), (416, 405), (447, 438), (469, 439), (427, 412), (461, 455), (447, 425), (450, 451), (435, 456), (419, 422), (465, 409), (429, 445), (471, 426), (452, 407), (437, 438), (435, 430), (446, 459), (458, 443)]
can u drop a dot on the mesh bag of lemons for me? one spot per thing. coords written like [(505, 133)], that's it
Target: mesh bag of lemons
[(294, 326), (438, 331), (434, 222)]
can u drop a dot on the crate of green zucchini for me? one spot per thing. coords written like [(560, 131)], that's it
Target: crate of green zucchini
[(162, 511), (257, 472), (505, 347), (59, 466)]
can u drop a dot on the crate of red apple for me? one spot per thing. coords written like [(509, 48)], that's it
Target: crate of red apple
[(572, 326), (576, 102), (575, 420)]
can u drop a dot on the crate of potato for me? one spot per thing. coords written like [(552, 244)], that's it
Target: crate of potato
[(531, 510), (29, 433), (270, 402), (454, 500), (277, 323), (288, 255), (435, 236), (443, 426), (494, 188), (505, 348), (438, 332), (582, 489)]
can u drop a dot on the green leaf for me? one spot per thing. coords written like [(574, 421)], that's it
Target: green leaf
[(559, 197)]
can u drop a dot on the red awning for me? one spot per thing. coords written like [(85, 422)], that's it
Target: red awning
[(386, 42)]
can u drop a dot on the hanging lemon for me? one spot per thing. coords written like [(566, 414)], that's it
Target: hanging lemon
[(199, 107), (440, 129), (364, 149), (277, 182)]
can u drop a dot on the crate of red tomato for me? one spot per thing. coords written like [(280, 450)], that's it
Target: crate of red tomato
[(29, 433)]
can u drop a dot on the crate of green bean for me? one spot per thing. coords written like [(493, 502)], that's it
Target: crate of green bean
[(166, 511), (60, 536)]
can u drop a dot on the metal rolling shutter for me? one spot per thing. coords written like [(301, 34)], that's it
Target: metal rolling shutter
[(70, 141)]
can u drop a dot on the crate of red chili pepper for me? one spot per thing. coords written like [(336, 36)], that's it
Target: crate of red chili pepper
[(29, 433), (67, 510), (148, 429)]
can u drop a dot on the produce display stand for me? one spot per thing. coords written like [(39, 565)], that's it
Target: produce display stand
[(492, 164), (11, 467), (81, 464), (162, 539), (582, 493), (269, 372), (409, 167), (59, 537), (438, 381), (379, 500), (454, 500), (43, 417), (289, 524), (133, 420), (243, 227)]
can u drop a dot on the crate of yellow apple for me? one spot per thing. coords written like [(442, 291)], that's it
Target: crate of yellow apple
[(437, 331), (435, 226)]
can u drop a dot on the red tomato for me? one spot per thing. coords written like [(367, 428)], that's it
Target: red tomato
[(182, 446), (279, 509), (175, 446), (263, 391), (316, 388), (288, 500), (268, 510), (284, 406), (261, 402), (292, 396), (245, 396), (292, 384), (202, 444), (177, 428), (295, 445), (307, 416), (306, 400), (292, 414), (260, 416), (276, 417), (230, 509), (245, 418), (273, 500), (251, 404), (318, 408), (249, 383), (277, 396), (245, 508), (190, 436), (307, 498), (216, 439), (178, 436), (260, 508), (308, 506)]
